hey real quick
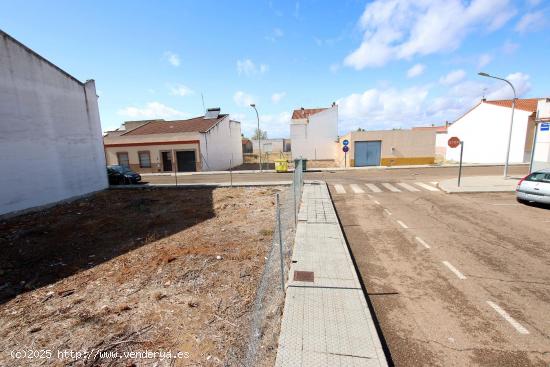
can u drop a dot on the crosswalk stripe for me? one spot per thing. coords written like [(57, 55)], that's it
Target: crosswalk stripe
[(356, 189), (427, 187), (390, 187), (340, 189), (407, 186), (373, 188), (434, 183)]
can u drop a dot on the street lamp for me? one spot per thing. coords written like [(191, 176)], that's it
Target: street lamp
[(511, 120), (253, 105)]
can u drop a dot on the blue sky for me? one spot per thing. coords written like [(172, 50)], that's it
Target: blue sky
[(388, 64)]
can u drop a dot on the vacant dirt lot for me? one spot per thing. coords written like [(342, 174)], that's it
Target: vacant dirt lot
[(135, 271)]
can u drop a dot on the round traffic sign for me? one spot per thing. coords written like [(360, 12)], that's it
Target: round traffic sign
[(345, 148), (454, 142), (345, 142)]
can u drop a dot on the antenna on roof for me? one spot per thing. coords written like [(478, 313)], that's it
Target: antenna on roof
[(203, 107)]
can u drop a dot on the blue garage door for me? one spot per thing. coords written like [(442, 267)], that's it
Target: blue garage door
[(367, 153)]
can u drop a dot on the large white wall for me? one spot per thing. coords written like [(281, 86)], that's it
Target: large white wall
[(222, 145), (541, 158), (484, 131), (50, 135), (316, 139)]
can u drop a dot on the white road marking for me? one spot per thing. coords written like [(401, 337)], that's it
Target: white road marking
[(520, 329), (373, 188), (356, 189), (376, 202), (387, 211), (402, 224), (340, 189), (390, 187), (427, 187), (434, 183), (422, 242), (407, 186), (454, 270)]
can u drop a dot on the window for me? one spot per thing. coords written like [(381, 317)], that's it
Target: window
[(539, 177), (123, 159), (144, 159)]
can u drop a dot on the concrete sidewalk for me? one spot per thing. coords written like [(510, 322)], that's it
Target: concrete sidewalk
[(479, 184), (326, 321)]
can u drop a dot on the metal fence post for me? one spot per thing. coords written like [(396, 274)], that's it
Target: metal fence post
[(280, 243)]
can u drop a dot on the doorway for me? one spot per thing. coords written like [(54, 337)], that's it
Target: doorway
[(367, 153), (186, 161), (166, 161)]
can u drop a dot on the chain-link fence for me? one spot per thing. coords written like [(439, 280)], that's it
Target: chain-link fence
[(269, 302)]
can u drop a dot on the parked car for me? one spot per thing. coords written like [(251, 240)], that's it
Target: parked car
[(120, 175), (535, 187)]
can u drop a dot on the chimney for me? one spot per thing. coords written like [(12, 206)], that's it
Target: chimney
[(302, 108)]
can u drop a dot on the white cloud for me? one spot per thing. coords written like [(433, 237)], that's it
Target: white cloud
[(509, 47), (275, 35), (181, 90), (172, 58), (453, 77), (416, 70), (248, 67), (484, 60), (151, 110), (530, 22), (276, 125), (387, 107), (401, 29), (276, 97), (243, 99)]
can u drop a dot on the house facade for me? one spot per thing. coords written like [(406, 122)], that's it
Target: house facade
[(205, 143), (314, 133), (50, 132), (541, 156), (485, 129)]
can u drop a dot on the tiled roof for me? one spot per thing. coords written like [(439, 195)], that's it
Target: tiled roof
[(526, 104), (303, 113), (196, 124), (437, 129)]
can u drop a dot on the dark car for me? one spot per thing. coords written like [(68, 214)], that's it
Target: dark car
[(120, 175)]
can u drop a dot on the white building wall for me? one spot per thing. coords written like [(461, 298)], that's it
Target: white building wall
[(484, 131), (276, 145), (316, 139), (221, 146), (50, 134), (541, 158)]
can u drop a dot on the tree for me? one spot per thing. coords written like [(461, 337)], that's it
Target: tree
[(360, 129), (259, 134)]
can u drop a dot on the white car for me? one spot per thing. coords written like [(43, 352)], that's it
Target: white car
[(535, 187)]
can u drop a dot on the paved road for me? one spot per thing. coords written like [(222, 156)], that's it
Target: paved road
[(436, 173), (455, 280)]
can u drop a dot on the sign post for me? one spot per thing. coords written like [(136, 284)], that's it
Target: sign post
[(345, 148), (453, 143)]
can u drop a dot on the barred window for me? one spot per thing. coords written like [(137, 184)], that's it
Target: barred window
[(144, 159)]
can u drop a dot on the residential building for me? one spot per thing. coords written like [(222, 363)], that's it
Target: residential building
[(485, 130), (313, 133), (205, 143), (541, 156), (388, 148), (50, 132), (271, 146)]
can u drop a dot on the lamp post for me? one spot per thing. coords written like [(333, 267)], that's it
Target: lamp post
[(253, 105), (511, 120)]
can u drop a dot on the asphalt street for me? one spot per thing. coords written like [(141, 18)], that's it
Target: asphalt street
[(455, 280)]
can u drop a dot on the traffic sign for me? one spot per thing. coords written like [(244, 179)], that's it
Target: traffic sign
[(545, 127), (345, 142), (345, 148), (454, 142)]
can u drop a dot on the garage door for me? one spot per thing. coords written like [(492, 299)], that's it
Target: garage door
[(367, 153)]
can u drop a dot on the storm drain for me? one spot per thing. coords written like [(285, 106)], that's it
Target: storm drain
[(303, 276)]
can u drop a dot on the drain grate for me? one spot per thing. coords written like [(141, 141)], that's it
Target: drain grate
[(303, 276)]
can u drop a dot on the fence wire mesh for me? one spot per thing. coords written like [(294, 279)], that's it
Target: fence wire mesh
[(269, 302)]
